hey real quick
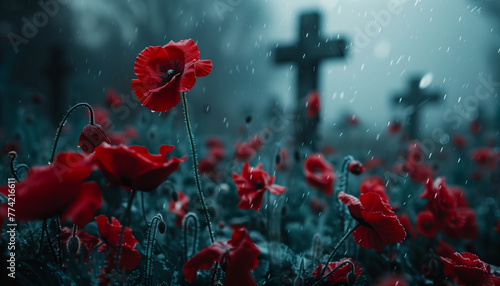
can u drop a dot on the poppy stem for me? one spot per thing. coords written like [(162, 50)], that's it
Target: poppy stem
[(342, 187), (13, 155), (337, 248), (126, 216), (185, 225), (63, 122), (153, 226), (195, 163), (353, 269)]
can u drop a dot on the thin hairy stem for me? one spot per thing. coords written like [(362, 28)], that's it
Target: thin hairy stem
[(126, 216), (337, 248), (63, 122), (353, 269), (185, 224), (195, 163), (153, 226), (13, 155)]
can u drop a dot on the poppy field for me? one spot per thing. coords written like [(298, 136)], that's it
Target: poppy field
[(245, 209)]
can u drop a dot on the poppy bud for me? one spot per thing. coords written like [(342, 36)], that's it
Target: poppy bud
[(248, 119), (73, 245), (91, 137), (356, 168), (162, 227), (278, 159), (351, 278), (174, 196)]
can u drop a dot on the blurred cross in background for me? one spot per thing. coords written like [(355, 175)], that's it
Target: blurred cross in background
[(415, 98), (307, 53)]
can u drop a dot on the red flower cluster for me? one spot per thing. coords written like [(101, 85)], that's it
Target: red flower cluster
[(379, 226), (179, 207), (467, 269), (319, 173), (134, 167), (313, 104), (237, 258), (446, 211), (251, 185), (246, 150), (57, 189), (339, 276), (216, 154), (415, 165), (163, 72), (110, 234)]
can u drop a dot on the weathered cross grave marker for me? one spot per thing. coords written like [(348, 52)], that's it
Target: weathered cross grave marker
[(415, 98), (307, 53)]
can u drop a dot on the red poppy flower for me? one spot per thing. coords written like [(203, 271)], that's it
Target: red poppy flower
[(497, 229), (87, 242), (91, 137), (440, 200), (373, 163), (460, 223), (378, 226), (134, 168), (163, 72), (251, 185), (318, 205), (356, 168), (426, 224), (394, 127), (459, 141), (352, 119), (237, 258), (485, 157), (467, 269), (243, 151), (339, 276), (179, 207), (57, 189), (319, 173), (475, 127), (110, 234), (374, 184), (113, 99), (313, 104)]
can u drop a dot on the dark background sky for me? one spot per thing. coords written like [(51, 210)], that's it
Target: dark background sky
[(454, 43)]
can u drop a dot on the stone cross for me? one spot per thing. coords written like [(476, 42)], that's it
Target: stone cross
[(307, 54), (415, 98)]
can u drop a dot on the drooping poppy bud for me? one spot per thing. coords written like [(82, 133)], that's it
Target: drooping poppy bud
[(91, 137), (356, 168)]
